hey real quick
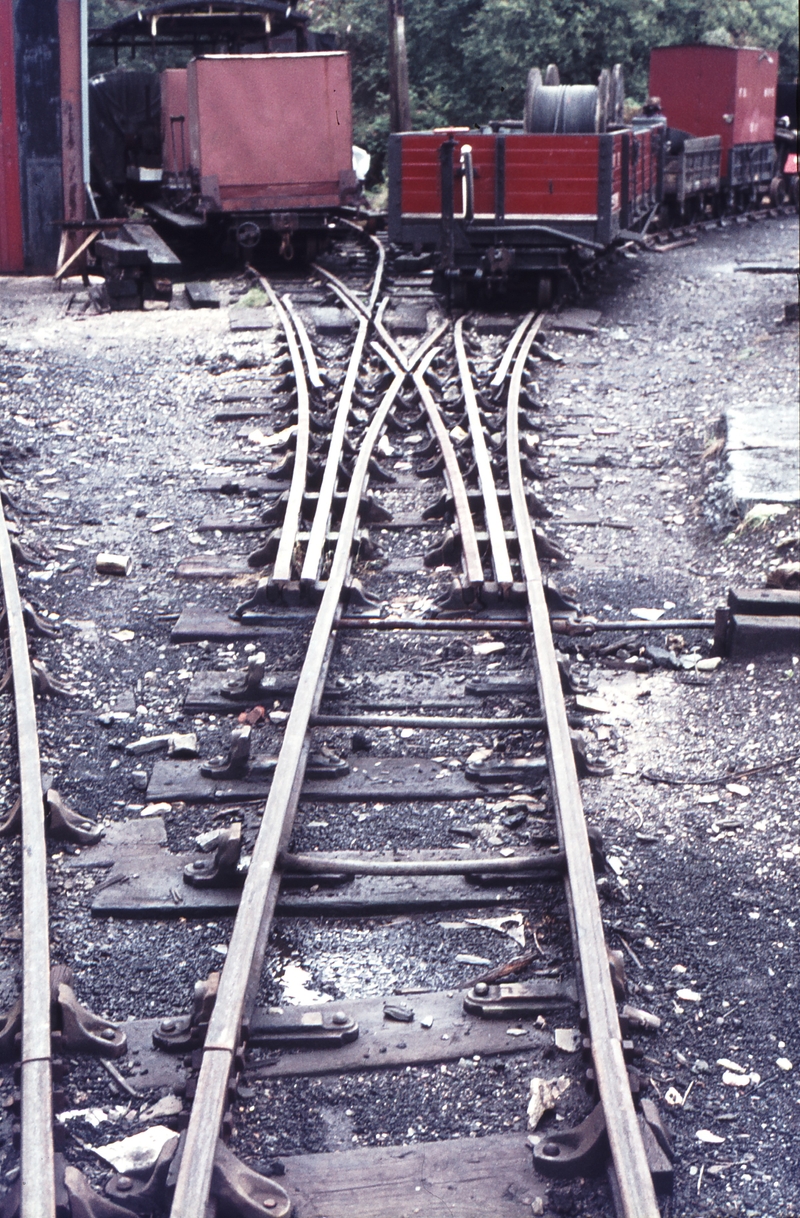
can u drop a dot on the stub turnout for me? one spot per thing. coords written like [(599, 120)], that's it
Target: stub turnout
[(432, 696)]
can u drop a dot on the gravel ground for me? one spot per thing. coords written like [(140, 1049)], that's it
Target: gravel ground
[(109, 437)]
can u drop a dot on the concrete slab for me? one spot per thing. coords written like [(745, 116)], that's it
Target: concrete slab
[(763, 451)]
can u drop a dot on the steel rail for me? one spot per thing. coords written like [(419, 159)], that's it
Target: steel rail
[(473, 564), (508, 354), (491, 507), (248, 936), (637, 1195), (319, 527), (37, 1170), (378, 277), (282, 567), (348, 297), (305, 342)]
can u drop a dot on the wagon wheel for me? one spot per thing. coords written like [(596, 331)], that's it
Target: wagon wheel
[(603, 100), (534, 83)]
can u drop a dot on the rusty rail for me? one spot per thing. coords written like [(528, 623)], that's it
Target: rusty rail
[(37, 1174), (636, 1191)]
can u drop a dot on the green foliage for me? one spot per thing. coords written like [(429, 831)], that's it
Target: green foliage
[(469, 59)]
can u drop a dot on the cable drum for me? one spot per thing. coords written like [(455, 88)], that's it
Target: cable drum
[(564, 109)]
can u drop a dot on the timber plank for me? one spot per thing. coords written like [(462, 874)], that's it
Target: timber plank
[(462, 1178)]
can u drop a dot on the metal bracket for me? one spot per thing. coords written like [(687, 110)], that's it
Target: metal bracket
[(580, 1151), (10, 1025), (223, 870), (145, 1195), (520, 999), (277, 1029), (84, 1202), (12, 821), (249, 684), (244, 1193), (80, 1029), (66, 825), (186, 1032), (237, 760)]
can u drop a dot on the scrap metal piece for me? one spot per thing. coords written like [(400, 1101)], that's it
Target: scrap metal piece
[(581, 1151), (235, 764), (316, 1029), (398, 1012), (82, 1030), (221, 871), (520, 999), (67, 825)]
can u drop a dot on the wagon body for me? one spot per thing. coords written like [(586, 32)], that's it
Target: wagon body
[(727, 92), (521, 200)]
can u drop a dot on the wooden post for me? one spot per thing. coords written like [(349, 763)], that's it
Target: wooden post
[(399, 104), (11, 252), (71, 134), (69, 38)]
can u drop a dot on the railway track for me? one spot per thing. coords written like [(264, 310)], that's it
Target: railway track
[(456, 410)]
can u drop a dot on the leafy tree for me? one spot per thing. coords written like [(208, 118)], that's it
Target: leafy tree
[(469, 59)]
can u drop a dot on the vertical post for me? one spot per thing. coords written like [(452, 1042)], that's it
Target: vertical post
[(448, 204), (399, 104), (72, 153), (500, 180), (87, 168)]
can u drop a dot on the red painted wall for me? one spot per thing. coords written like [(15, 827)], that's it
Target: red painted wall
[(11, 252)]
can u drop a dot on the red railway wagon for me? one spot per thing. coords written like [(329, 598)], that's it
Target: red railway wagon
[(259, 142), (727, 92), (492, 203)]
